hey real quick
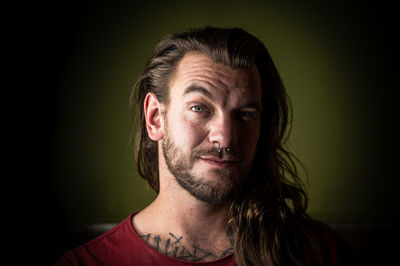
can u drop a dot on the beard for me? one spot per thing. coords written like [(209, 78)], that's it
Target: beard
[(218, 190)]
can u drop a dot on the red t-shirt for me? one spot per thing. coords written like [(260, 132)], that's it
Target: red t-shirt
[(123, 246)]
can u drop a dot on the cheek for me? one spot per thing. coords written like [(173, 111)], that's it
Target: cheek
[(185, 131), (254, 142), (249, 139)]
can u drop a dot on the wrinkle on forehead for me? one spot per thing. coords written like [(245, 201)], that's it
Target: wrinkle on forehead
[(198, 67)]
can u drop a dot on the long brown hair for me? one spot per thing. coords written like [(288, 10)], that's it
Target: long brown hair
[(268, 217)]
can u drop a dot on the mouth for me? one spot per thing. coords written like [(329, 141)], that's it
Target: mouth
[(218, 162)]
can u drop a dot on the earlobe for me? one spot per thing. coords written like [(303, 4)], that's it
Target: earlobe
[(152, 112)]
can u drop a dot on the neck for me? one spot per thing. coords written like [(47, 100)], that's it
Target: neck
[(177, 210), (177, 217)]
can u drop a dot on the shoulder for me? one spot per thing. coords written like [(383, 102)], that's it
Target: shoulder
[(105, 248), (123, 246)]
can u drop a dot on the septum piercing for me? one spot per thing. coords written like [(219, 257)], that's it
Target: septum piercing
[(228, 150)]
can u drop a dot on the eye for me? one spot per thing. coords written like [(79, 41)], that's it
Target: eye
[(248, 115), (197, 108)]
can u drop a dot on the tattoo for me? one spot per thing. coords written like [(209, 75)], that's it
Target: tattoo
[(174, 247), (175, 238)]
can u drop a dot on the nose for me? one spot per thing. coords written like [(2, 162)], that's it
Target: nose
[(222, 131)]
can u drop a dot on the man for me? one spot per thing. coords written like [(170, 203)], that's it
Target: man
[(212, 116)]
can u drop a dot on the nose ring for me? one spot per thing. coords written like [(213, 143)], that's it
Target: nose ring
[(219, 148), (228, 149)]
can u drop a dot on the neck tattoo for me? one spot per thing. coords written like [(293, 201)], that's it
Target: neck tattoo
[(173, 246)]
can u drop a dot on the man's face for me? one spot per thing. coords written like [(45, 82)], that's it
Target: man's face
[(210, 105)]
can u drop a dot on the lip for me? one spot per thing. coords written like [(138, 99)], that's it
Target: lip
[(219, 162)]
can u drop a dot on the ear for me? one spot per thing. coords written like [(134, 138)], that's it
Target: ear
[(152, 113)]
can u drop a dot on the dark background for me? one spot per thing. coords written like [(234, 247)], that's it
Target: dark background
[(68, 55)]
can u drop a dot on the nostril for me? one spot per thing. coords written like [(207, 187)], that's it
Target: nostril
[(219, 147)]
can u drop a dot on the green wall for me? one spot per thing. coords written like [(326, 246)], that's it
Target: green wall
[(334, 60)]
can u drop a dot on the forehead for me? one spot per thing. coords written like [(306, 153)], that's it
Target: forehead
[(198, 69)]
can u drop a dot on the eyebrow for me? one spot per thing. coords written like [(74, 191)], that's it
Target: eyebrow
[(255, 104), (196, 88)]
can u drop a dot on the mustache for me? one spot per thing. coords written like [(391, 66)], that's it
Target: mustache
[(213, 151)]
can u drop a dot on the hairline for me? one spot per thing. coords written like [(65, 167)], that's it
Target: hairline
[(173, 74)]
